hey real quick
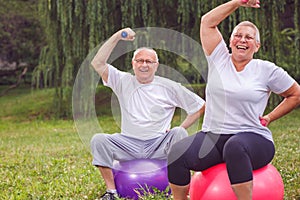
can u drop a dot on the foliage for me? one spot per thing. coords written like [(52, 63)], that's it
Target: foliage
[(73, 28), (45, 159), (21, 35)]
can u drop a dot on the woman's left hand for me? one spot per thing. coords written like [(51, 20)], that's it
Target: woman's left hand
[(265, 120)]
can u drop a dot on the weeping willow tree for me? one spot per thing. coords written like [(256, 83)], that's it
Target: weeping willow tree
[(75, 27)]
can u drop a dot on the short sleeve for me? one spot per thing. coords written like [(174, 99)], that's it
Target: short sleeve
[(279, 80), (219, 54), (188, 100), (114, 77)]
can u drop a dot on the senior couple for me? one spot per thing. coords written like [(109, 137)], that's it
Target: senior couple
[(232, 131)]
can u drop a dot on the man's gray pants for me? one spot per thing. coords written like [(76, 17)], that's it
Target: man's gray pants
[(109, 147)]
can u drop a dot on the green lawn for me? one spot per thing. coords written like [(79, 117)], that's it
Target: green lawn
[(43, 158)]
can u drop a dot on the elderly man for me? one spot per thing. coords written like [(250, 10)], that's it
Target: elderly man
[(147, 102)]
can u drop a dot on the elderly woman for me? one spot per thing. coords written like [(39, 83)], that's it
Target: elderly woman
[(234, 129)]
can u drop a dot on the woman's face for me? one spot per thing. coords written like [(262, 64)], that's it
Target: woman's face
[(145, 65), (243, 43)]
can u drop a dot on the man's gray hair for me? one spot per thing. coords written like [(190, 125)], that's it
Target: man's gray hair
[(145, 48)]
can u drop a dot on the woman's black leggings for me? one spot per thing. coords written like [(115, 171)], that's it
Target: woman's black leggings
[(242, 153)]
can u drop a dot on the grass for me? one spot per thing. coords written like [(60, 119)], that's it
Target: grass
[(44, 158)]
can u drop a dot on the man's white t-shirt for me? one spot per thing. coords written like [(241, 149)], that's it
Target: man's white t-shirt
[(147, 109), (235, 100)]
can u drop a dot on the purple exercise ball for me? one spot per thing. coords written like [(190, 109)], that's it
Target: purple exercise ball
[(136, 177)]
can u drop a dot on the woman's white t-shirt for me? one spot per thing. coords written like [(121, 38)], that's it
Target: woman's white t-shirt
[(235, 100)]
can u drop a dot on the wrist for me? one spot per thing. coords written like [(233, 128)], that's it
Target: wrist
[(117, 36), (268, 117), (238, 3)]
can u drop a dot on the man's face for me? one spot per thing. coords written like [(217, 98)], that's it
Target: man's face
[(145, 65)]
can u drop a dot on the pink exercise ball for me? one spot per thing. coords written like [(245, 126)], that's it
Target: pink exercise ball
[(213, 184), (135, 177)]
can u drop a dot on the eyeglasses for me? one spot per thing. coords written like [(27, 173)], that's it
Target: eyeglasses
[(240, 36), (142, 61)]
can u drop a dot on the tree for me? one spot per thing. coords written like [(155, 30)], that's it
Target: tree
[(75, 27), (21, 35)]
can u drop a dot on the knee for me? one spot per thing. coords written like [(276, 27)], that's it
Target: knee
[(179, 132), (98, 139), (178, 172)]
